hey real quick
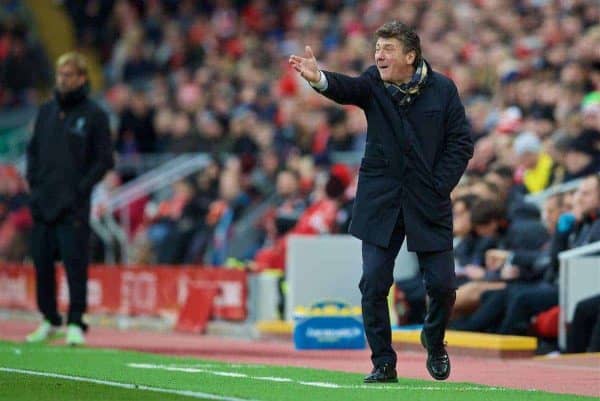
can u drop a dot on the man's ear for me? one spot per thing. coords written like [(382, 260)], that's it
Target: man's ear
[(410, 57)]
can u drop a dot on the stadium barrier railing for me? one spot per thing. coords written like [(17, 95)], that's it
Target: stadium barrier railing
[(579, 278)]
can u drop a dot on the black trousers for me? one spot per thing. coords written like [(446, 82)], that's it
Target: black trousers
[(584, 332), (66, 239), (488, 316), (377, 278), (524, 302)]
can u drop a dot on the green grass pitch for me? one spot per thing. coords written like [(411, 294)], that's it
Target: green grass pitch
[(44, 373)]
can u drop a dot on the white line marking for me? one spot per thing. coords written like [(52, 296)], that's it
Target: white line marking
[(320, 384), (230, 374), (391, 386), (187, 393), (273, 379), (214, 365), (167, 367), (60, 349)]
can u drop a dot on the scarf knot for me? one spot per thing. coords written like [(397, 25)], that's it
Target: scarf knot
[(405, 94)]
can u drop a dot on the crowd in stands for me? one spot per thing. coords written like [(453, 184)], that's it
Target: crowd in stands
[(212, 76), (15, 218), (24, 68), (184, 77)]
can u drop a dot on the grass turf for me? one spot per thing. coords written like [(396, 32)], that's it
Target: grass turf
[(210, 380), (16, 387)]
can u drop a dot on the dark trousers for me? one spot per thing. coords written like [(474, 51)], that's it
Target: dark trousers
[(68, 239), (487, 316), (584, 332), (523, 303), (437, 269)]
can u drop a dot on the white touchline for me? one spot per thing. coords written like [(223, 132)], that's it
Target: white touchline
[(130, 386), (273, 379), (172, 368), (320, 384), (230, 374), (52, 350)]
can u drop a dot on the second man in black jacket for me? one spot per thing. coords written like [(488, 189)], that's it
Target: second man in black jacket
[(69, 152)]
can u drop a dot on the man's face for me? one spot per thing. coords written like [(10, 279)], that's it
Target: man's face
[(68, 78), (287, 184), (502, 183), (587, 197), (393, 64), (462, 219), (528, 160), (576, 161), (551, 212)]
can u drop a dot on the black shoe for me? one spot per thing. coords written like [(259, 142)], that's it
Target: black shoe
[(438, 361), (382, 374)]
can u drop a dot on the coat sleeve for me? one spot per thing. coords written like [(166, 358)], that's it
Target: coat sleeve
[(347, 90), (458, 145), (32, 155), (101, 152)]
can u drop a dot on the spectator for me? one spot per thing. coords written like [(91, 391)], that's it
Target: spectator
[(136, 129), (192, 77), (15, 218), (23, 68), (583, 155), (183, 139), (576, 229), (318, 218), (536, 165), (521, 267), (289, 206), (584, 332)]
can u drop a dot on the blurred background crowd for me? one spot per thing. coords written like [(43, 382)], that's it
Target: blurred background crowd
[(212, 77)]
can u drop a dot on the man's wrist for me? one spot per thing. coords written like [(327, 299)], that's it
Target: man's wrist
[(321, 84)]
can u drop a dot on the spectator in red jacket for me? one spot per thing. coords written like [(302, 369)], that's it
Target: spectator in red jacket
[(319, 218)]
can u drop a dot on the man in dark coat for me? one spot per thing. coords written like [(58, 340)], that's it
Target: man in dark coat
[(418, 146), (69, 152)]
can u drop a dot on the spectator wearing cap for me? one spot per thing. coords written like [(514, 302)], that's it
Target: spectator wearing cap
[(535, 166), (590, 110), (583, 155)]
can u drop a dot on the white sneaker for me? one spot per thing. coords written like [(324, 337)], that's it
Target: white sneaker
[(75, 335), (44, 332)]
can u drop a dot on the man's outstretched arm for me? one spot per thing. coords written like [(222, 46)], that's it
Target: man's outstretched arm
[(338, 87)]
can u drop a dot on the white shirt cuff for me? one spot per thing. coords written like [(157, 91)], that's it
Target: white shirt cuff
[(322, 84)]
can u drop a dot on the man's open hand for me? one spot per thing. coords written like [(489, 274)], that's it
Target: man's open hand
[(306, 66)]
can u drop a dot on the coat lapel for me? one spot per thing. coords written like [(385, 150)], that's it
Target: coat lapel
[(400, 126), (387, 105)]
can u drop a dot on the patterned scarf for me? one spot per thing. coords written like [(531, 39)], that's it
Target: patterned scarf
[(405, 94)]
